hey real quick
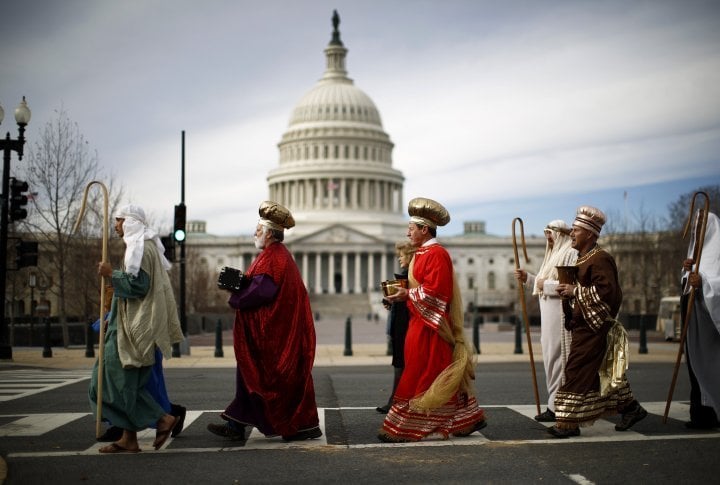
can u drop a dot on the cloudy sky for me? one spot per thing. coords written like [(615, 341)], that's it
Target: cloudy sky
[(498, 109)]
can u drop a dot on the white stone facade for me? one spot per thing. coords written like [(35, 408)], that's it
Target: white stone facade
[(335, 174)]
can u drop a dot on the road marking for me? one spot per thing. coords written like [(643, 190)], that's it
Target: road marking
[(36, 424), (579, 479), (26, 382), (602, 431)]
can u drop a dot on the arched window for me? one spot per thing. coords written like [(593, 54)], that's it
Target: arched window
[(491, 280)]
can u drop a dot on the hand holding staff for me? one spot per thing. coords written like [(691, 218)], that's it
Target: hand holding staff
[(521, 292), (700, 227), (101, 346)]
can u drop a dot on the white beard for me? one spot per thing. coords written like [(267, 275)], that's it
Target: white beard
[(259, 244)]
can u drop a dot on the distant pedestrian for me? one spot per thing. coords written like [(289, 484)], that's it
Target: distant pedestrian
[(398, 319)]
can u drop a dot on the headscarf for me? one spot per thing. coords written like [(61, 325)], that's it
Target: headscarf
[(561, 253), (135, 233)]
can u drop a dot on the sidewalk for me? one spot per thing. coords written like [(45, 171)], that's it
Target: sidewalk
[(495, 347)]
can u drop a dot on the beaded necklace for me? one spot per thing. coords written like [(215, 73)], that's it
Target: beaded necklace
[(588, 255)]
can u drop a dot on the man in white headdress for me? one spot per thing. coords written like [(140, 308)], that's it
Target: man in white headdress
[(703, 334), (554, 338), (143, 318)]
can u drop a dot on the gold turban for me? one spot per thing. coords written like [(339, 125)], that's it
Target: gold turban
[(590, 218), (275, 216), (427, 212)]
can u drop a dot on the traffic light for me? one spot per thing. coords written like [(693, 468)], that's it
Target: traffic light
[(26, 253), (18, 200), (168, 243), (179, 227)]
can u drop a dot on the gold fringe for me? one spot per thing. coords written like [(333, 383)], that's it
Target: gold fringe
[(458, 375), (612, 371)]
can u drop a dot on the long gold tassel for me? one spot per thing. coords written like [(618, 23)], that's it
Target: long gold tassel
[(458, 375)]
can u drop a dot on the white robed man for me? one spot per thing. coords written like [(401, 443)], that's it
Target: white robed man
[(554, 338), (703, 334)]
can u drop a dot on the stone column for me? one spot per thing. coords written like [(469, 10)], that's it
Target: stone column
[(371, 272), (358, 288), (331, 273), (344, 269), (305, 261), (318, 273)]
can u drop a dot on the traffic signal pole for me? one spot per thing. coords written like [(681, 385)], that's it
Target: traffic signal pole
[(180, 230), (8, 145)]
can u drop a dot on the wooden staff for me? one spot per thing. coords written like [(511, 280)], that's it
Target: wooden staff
[(700, 227), (101, 343), (521, 292)]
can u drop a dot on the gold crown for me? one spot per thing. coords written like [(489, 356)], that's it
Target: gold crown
[(590, 218), (427, 212), (275, 216)]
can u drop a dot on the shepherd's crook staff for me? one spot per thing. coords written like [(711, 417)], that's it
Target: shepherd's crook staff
[(521, 292), (697, 252), (101, 343)]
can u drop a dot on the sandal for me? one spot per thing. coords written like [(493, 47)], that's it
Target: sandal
[(161, 436), (116, 448)]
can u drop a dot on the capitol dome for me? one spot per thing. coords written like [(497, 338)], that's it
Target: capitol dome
[(335, 161)]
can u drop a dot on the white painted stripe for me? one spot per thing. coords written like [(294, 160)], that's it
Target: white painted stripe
[(579, 479), (37, 424), (602, 432)]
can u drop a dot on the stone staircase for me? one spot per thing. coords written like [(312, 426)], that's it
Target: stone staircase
[(342, 305)]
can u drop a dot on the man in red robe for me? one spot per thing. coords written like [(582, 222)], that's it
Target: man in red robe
[(434, 395), (274, 340)]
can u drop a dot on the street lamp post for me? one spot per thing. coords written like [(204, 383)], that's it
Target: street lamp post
[(8, 145)]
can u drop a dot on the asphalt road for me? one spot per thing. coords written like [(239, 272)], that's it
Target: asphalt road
[(48, 437)]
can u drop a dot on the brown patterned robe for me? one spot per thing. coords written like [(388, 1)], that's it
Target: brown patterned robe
[(597, 301)]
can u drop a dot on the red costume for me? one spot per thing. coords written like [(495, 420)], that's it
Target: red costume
[(429, 350), (274, 340)]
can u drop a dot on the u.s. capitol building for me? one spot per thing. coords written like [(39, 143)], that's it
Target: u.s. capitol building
[(335, 173)]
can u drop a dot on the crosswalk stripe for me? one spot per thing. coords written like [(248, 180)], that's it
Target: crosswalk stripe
[(602, 431), (23, 383)]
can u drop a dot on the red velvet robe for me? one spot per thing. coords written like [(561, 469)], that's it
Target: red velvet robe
[(274, 341), (427, 354)]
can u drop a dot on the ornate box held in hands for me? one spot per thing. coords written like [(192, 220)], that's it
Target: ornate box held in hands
[(230, 278)]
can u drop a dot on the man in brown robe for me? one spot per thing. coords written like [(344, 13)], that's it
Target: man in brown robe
[(591, 306)]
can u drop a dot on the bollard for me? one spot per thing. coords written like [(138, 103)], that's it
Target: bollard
[(47, 350), (643, 337), (218, 339), (89, 341), (518, 337), (476, 335), (348, 337)]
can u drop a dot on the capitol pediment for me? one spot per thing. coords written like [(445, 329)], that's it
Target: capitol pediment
[(337, 234)]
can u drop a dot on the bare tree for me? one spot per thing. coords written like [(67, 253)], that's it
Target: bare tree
[(641, 259), (678, 210), (60, 165), (202, 290)]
